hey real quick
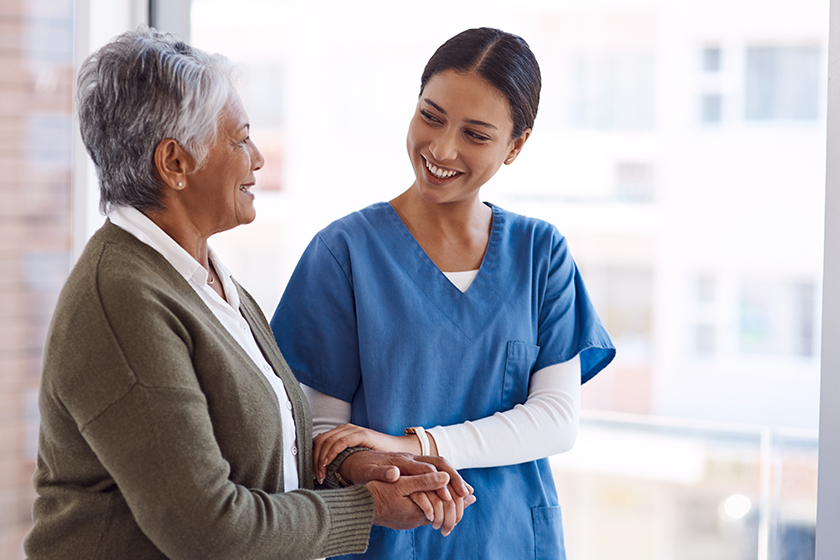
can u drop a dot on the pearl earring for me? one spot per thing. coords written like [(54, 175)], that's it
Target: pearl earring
[(180, 184)]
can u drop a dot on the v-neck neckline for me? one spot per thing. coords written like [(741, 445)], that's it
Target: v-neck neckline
[(469, 311)]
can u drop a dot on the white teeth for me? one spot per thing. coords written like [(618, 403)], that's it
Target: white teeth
[(439, 173), (245, 188)]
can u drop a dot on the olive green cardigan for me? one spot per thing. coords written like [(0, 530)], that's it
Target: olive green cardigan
[(159, 436)]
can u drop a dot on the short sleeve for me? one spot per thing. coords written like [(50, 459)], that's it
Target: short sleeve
[(568, 323), (315, 322)]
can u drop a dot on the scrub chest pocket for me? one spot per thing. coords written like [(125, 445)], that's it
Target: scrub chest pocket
[(519, 362)]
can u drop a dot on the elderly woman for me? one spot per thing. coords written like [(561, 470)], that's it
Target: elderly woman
[(171, 426)]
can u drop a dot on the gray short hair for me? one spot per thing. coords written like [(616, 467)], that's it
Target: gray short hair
[(142, 87)]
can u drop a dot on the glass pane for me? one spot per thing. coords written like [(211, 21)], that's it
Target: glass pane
[(680, 147), (36, 57)]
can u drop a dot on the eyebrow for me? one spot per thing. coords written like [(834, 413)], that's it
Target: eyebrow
[(471, 121)]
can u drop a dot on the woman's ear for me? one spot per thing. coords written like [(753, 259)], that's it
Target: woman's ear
[(172, 163), (516, 146)]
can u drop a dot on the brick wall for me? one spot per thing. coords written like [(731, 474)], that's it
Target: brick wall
[(36, 57)]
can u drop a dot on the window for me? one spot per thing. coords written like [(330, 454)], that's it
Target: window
[(667, 220), (778, 318), (619, 102), (782, 83), (711, 108), (35, 246), (711, 59)]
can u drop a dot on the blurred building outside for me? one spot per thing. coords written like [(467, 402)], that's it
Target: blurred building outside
[(36, 76)]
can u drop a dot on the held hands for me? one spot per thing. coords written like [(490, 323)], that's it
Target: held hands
[(327, 446), (410, 491)]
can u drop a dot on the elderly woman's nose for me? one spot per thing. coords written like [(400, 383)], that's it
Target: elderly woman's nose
[(257, 159)]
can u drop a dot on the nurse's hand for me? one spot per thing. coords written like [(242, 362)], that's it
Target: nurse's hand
[(443, 507), (393, 505), (446, 514), (327, 446), (365, 466)]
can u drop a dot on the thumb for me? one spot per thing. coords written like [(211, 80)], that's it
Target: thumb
[(387, 473), (423, 482)]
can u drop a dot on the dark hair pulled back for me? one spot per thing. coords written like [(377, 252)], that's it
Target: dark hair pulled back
[(503, 59)]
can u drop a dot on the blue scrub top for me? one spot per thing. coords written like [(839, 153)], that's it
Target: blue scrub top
[(368, 318)]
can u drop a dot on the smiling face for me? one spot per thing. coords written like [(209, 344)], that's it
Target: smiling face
[(223, 197), (459, 137)]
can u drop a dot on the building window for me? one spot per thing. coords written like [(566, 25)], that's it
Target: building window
[(711, 108), (705, 333), (711, 59), (777, 317), (782, 83)]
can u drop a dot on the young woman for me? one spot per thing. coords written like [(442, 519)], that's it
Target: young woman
[(440, 311)]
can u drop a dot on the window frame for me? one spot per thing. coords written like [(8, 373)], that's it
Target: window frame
[(828, 489)]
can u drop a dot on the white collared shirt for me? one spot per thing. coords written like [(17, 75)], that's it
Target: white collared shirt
[(227, 312)]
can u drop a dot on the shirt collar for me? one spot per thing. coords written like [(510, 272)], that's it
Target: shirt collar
[(138, 224)]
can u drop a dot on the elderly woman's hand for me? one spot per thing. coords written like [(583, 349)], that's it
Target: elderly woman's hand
[(443, 507), (327, 446)]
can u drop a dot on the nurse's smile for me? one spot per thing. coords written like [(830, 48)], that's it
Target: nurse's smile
[(438, 174)]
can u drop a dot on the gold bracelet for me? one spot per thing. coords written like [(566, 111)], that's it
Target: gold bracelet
[(341, 481)]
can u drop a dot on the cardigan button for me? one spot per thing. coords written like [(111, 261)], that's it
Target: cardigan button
[(288, 405), (294, 450)]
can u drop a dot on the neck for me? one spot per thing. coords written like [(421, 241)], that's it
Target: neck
[(185, 233), (467, 217), (454, 234)]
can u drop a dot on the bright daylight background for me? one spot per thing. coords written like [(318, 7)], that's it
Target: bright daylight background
[(680, 146)]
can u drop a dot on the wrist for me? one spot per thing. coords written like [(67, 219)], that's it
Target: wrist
[(423, 438), (342, 467), (421, 435)]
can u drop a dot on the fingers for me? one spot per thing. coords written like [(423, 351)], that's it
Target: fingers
[(413, 501), (386, 473), (450, 517), (445, 513), (409, 465), (441, 511), (459, 508), (458, 484), (327, 446), (395, 509), (423, 482), (423, 502)]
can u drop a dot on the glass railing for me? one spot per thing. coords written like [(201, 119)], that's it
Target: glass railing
[(648, 488)]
